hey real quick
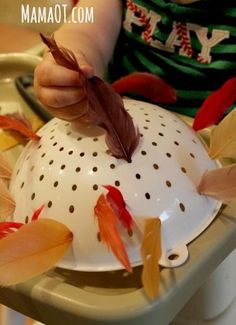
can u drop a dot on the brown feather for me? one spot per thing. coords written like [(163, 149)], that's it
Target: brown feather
[(105, 106)]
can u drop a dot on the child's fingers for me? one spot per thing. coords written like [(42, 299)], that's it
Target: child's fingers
[(59, 97), (49, 74), (70, 113)]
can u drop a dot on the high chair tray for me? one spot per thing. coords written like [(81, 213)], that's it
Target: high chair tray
[(62, 297)]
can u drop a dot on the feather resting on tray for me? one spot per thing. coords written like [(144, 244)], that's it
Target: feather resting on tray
[(32, 249)]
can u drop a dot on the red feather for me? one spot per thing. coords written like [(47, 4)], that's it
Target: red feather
[(215, 105), (7, 228), (147, 85), (105, 107), (117, 201), (11, 123)]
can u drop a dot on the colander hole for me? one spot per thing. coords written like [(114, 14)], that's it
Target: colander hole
[(192, 155), (168, 155), (176, 143), (33, 196), (183, 170), (71, 208), (95, 169), (182, 207), (168, 183), (49, 204), (55, 184), (77, 169), (143, 152), (154, 143), (117, 183), (41, 177), (155, 166), (61, 149), (63, 166), (82, 154), (51, 162), (95, 154), (160, 134), (95, 187), (138, 176), (147, 196), (74, 187), (112, 166)]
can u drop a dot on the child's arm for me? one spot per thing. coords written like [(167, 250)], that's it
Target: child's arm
[(92, 44)]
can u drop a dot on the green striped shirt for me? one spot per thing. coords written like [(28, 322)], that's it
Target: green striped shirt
[(192, 47)]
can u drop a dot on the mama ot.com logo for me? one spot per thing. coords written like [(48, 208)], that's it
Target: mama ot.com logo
[(56, 14)]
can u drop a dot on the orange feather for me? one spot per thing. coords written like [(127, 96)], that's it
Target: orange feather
[(13, 124), (33, 249), (151, 253), (107, 223)]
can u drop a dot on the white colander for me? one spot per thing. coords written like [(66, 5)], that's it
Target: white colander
[(67, 169)]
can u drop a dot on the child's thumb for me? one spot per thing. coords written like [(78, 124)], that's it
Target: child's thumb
[(84, 65)]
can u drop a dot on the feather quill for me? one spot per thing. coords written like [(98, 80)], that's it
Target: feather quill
[(219, 183), (5, 169), (33, 249), (7, 203), (109, 234), (223, 138), (215, 105), (151, 253), (147, 85), (105, 107), (13, 124)]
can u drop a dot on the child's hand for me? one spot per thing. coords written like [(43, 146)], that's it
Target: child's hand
[(59, 89)]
